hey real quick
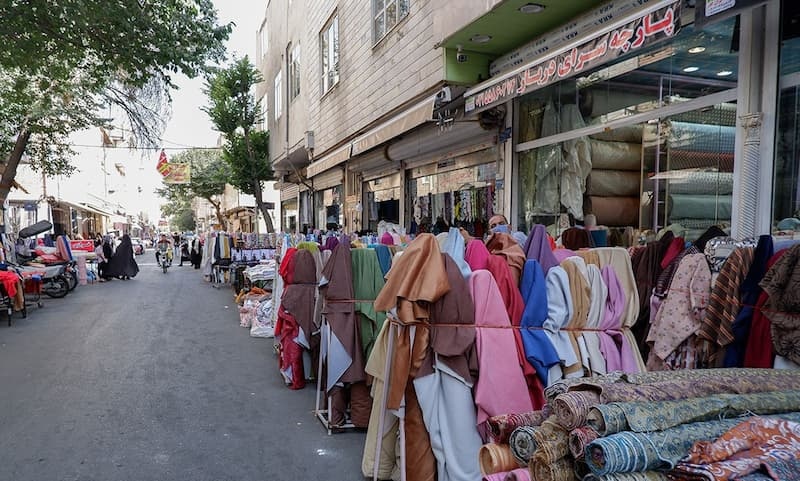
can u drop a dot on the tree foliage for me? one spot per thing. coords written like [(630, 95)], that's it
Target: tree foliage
[(62, 62), (208, 178), (234, 111)]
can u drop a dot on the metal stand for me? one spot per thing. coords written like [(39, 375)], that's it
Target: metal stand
[(387, 371), (323, 415)]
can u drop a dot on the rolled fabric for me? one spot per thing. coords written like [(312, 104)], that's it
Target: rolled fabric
[(520, 474), (616, 155), (615, 211), (628, 452), (611, 183), (640, 476), (501, 427), (570, 409), (648, 416), (561, 470), (630, 133), (578, 440), (523, 444), (701, 137), (496, 458), (700, 206), (552, 442)]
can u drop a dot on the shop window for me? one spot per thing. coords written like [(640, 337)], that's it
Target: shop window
[(382, 201), (294, 71), (386, 14), (786, 193), (329, 51), (289, 215), (649, 170), (328, 205)]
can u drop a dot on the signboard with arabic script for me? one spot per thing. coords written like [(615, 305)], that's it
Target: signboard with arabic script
[(610, 45), (178, 173)]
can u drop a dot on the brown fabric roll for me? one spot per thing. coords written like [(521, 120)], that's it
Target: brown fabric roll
[(576, 238), (552, 442), (615, 211), (420, 462), (581, 294), (495, 458), (337, 406), (613, 183)]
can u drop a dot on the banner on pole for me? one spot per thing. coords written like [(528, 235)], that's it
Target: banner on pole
[(178, 174)]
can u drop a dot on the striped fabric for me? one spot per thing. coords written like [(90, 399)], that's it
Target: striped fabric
[(723, 305)]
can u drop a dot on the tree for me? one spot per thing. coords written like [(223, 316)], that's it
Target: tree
[(235, 112), (178, 210), (61, 62), (208, 178)]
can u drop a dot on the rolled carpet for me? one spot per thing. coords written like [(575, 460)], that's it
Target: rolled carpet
[(552, 442), (501, 427), (628, 452), (578, 440), (561, 470), (496, 458), (641, 476), (637, 416), (523, 444)]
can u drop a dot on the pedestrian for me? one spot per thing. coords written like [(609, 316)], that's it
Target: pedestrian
[(102, 260), (196, 253), (184, 252), (123, 264), (176, 245), (108, 253)]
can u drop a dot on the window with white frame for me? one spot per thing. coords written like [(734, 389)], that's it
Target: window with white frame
[(386, 14), (263, 40), (263, 113), (294, 71), (277, 104), (329, 48)]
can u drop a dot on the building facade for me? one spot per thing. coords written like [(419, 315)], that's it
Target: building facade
[(637, 114)]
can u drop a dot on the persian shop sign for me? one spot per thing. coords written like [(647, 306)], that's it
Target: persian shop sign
[(641, 32)]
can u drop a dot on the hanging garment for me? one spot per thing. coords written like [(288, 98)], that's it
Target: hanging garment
[(576, 162), (646, 264), (610, 336), (444, 381), (581, 296), (760, 352), (537, 247), (559, 314), (384, 257), (782, 284), (597, 309), (506, 245), (341, 338), (454, 247), (477, 256), (539, 351), (417, 280), (548, 163), (501, 387), (515, 306), (749, 293), (367, 283), (681, 314)]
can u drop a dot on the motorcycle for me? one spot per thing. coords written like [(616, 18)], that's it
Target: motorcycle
[(164, 258)]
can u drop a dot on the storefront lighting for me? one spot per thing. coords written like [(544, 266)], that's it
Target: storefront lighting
[(480, 38), (531, 8), (697, 49), (691, 69), (724, 73)]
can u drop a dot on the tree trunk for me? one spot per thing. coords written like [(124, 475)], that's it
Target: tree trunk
[(14, 159), (220, 217), (259, 196)]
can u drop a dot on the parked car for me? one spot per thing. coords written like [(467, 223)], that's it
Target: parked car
[(138, 246)]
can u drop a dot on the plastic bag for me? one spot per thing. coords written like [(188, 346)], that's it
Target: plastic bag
[(262, 323)]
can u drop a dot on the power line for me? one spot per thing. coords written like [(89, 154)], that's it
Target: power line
[(140, 148)]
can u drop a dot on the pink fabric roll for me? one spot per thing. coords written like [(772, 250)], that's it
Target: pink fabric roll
[(613, 344), (521, 474), (501, 387), (477, 255)]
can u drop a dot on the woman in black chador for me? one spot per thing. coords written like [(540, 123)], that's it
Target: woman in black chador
[(123, 265)]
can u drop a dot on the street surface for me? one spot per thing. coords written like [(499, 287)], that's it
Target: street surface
[(152, 379)]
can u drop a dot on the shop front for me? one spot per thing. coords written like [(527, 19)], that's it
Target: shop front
[(289, 207), (634, 127)]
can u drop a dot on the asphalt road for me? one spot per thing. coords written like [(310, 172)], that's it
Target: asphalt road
[(153, 379)]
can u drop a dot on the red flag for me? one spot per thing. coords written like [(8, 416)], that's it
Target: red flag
[(162, 166)]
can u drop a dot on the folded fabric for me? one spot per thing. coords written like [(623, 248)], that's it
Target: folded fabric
[(630, 452), (744, 450), (645, 416)]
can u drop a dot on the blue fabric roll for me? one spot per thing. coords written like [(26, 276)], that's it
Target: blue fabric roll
[(702, 137), (600, 237), (539, 351)]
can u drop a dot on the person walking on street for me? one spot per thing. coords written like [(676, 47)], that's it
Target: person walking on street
[(102, 260), (123, 265)]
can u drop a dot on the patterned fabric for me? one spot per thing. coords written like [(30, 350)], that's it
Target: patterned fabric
[(579, 439), (523, 444), (568, 408), (723, 306), (641, 476), (681, 313), (638, 416), (501, 427), (561, 470), (630, 452), (718, 249), (782, 283), (744, 449), (552, 442), (665, 278)]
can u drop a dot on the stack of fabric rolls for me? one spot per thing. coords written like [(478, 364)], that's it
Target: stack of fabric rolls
[(654, 426)]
